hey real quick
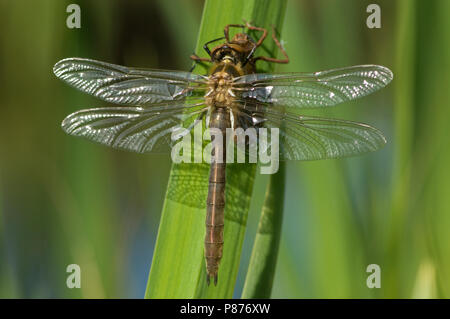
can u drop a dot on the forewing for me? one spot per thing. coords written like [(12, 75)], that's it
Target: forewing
[(128, 86), (311, 90), (137, 129), (313, 138)]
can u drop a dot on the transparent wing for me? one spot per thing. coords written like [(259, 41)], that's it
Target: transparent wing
[(137, 129), (313, 138), (319, 89), (127, 86), (188, 182)]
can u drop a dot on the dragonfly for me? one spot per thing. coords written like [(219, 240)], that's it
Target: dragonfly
[(150, 104)]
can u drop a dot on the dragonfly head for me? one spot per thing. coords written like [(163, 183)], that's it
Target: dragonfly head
[(226, 53)]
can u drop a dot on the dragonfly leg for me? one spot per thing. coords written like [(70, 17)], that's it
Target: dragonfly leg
[(206, 48), (262, 38), (196, 60), (273, 60)]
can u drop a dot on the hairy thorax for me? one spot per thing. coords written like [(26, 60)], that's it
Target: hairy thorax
[(220, 92)]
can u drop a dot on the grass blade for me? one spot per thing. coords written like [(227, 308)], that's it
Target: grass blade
[(261, 270), (178, 268)]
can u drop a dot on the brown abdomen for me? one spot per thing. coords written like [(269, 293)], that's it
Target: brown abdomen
[(215, 205)]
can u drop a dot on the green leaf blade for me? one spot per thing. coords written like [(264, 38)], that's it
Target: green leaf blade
[(178, 266), (261, 270)]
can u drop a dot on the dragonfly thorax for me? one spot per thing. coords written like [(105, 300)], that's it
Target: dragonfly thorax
[(220, 90)]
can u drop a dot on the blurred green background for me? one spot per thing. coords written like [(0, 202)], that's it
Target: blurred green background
[(65, 200)]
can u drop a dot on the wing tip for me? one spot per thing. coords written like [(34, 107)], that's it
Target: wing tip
[(61, 66), (379, 139), (67, 124), (388, 74), (58, 68)]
